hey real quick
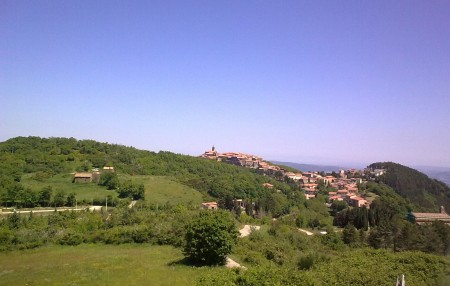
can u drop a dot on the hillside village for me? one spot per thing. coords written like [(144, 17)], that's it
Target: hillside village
[(345, 183)]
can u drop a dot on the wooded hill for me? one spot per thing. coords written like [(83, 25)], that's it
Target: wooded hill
[(46, 157), (284, 253), (421, 190)]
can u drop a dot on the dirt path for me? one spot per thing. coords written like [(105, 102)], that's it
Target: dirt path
[(233, 264), (305, 231), (247, 229)]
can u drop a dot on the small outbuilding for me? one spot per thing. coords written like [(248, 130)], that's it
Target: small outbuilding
[(82, 178), (209, 206)]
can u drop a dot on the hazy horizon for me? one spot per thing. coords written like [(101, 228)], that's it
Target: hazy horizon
[(307, 82)]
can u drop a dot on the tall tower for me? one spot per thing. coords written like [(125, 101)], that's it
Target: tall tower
[(213, 148)]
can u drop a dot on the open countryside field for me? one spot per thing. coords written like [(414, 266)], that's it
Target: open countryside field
[(63, 182), (128, 264), (160, 190)]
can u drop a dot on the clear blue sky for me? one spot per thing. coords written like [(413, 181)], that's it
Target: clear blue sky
[(337, 82)]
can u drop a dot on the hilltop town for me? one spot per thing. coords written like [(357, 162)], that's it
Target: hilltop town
[(343, 185)]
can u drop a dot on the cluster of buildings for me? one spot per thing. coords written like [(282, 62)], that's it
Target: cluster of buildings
[(90, 177), (235, 158), (346, 188), (345, 182)]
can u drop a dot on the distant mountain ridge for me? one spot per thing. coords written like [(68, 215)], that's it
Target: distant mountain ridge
[(441, 176), (309, 167), (439, 173)]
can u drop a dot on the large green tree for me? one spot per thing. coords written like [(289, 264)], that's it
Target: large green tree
[(210, 238)]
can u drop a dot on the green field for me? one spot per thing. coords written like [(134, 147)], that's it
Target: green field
[(64, 182), (99, 265), (158, 189)]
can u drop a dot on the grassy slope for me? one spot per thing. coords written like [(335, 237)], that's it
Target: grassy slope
[(98, 265), (64, 182), (158, 189)]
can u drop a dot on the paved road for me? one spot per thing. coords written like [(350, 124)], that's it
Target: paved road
[(91, 208), (42, 211)]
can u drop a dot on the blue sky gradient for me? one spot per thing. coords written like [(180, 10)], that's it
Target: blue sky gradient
[(331, 82)]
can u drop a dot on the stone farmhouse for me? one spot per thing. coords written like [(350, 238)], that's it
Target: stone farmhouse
[(82, 178)]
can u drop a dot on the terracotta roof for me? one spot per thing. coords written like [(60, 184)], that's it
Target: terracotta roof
[(209, 204)]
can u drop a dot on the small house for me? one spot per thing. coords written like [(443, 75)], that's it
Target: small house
[(209, 206), (82, 178)]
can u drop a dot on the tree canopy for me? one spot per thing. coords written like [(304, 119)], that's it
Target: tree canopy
[(427, 194)]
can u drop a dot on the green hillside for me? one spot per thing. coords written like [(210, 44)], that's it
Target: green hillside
[(63, 182), (427, 194), (30, 164), (144, 243), (162, 190)]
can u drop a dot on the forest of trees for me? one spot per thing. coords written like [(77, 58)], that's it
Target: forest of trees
[(49, 156), (429, 194)]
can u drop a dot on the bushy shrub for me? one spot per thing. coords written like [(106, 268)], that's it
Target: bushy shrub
[(210, 237), (71, 237)]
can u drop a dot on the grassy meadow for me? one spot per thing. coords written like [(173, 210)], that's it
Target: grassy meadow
[(63, 182), (127, 264), (158, 189)]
